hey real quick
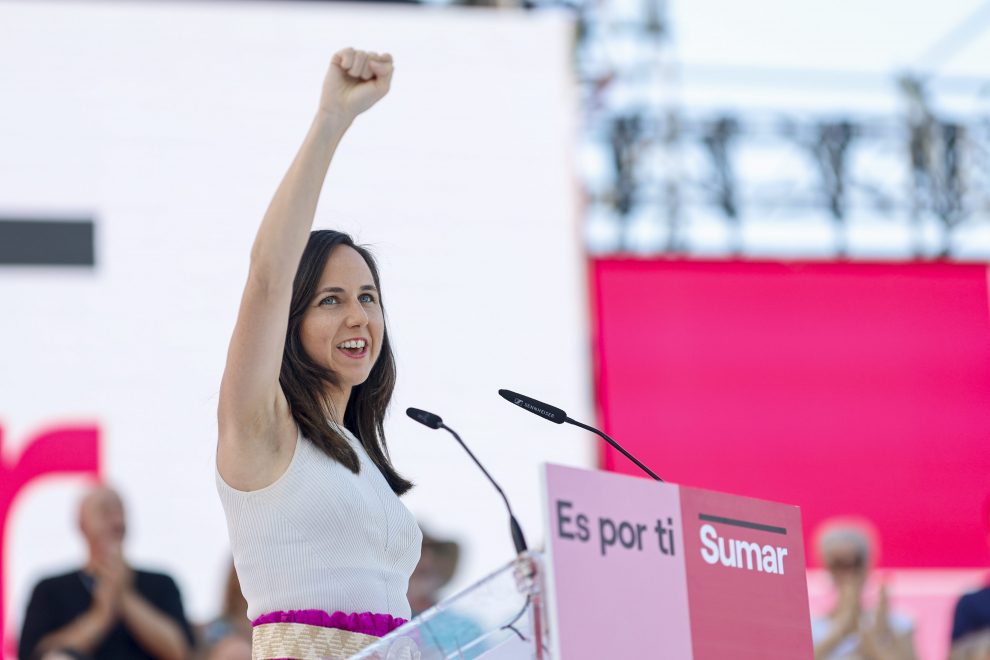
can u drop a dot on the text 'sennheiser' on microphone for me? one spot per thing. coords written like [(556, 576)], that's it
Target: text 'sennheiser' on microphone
[(434, 422), (558, 416)]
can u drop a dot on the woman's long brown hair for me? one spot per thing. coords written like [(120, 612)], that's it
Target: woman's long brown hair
[(306, 383)]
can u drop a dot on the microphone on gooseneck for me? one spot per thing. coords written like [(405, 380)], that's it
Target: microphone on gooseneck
[(434, 422), (558, 416)]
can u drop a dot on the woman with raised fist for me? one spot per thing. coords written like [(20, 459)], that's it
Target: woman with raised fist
[(317, 530)]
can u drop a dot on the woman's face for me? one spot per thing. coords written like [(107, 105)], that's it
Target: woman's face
[(846, 563), (343, 328)]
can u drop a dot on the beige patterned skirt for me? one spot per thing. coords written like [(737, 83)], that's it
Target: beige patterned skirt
[(301, 641)]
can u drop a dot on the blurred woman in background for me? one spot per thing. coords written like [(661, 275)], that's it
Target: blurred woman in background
[(850, 631), (317, 530), (229, 633), (437, 565)]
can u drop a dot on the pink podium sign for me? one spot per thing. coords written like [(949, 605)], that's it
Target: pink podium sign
[(640, 569)]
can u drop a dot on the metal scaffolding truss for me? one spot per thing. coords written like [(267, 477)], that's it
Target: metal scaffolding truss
[(651, 167)]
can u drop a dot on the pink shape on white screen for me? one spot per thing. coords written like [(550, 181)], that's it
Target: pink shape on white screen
[(58, 450)]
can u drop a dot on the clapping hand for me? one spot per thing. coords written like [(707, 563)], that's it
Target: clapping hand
[(113, 578), (848, 611), (879, 641)]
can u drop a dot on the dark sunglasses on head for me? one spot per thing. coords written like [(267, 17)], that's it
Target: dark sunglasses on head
[(846, 564)]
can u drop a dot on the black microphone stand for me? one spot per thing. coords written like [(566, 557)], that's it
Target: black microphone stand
[(434, 422), (517, 534), (616, 445), (558, 416)]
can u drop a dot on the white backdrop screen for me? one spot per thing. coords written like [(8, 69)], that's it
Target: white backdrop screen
[(169, 125)]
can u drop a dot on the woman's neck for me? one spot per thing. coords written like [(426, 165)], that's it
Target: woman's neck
[(339, 396)]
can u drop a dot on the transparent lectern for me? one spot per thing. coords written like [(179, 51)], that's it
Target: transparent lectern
[(502, 617)]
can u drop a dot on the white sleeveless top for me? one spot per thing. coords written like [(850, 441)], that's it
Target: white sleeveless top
[(322, 538)]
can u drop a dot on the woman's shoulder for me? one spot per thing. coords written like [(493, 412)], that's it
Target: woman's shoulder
[(820, 626), (900, 622), (298, 450)]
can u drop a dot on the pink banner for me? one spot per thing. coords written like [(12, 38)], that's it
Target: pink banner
[(640, 567), (843, 388)]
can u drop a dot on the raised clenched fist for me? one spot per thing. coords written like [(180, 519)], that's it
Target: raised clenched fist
[(356, 81)]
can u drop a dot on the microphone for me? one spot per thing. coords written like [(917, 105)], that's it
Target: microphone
[(434, 422), (558, 416)]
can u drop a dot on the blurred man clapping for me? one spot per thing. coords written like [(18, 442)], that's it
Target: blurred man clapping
[(107, 609)]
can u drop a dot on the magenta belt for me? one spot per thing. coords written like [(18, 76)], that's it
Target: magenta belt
[(314, 634)]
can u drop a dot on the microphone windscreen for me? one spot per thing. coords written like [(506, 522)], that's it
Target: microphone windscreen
[(425, 418), (544, 410)]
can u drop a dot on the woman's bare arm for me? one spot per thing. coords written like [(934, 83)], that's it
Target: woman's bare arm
[(83, 634), (154, 631), (257, 433)]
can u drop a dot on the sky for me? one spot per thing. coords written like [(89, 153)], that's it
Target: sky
[(812, 60), (850, 35)]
